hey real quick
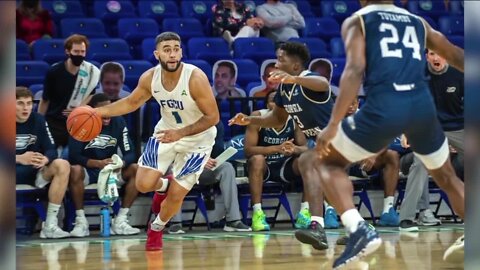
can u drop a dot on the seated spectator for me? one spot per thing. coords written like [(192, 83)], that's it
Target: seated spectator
[(112, 77), (273, 156), (36, 160), (33, 22), (281, 20), (225, 175), (266, 86), (224, 80), (233, 20), (89, 158)]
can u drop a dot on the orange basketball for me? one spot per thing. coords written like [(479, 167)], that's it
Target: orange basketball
[(84, 124)]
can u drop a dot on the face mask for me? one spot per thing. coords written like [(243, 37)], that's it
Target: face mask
[(77, 59)]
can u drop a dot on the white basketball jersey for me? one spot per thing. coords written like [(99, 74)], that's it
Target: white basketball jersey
[(177, 107)]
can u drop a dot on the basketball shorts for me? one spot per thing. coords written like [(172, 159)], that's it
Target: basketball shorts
[(188, 156), (28, 175), (387, 115), (280, 171)]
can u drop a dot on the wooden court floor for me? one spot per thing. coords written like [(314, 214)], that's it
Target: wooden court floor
[(219, 250)]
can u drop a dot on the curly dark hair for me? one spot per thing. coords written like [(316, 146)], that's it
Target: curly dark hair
[(298, 50)]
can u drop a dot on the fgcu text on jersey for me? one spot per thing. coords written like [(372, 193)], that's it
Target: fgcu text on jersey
[(172, 104)]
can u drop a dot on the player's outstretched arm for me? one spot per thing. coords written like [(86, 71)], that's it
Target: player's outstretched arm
[(132, 102), (203, 95), (438, 43), (352, 75), (276, 117)]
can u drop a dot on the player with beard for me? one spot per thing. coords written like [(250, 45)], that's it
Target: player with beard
[(184, 136)]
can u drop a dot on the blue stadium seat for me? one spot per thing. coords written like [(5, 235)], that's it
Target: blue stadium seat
[(108, 49), (317, 47), (252, 85), (431, 21), (133, 70), (457, 40), (49, 50), (434, 9), (248, 71), (185, 27), (209, 49), (456, 7), (63, 9), (257, 49), (90, 27), (203, 65), (35, 88), (158, 10), (338, 66), (201, 10), (22, 53), (135, 30), (451, 25), (303, 7), (339, 10), (111, 11), (337, 47), (148, 46), (324, 28), (31, 72)]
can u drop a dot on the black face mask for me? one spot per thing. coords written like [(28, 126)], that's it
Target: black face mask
[(31, 3), (77, 59)]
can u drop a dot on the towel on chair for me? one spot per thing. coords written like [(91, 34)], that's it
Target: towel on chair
[(107, 189), (87, 80)]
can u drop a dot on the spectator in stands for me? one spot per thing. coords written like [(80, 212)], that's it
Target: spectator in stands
[(446, 85), (224, 80), (89, 158), (112, 77), (33, 22), (63, 87), (266, 86), (272, 156), (233, 20), (36, 161), (281, 20), (225, 175)]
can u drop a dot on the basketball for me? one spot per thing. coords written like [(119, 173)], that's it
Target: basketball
[(84, 124)]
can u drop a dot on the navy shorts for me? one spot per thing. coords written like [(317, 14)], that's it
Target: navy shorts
[(26, 175), (385, 116)]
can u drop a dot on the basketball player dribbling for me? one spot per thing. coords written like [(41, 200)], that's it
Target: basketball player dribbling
[(183, 137), (384, 47)]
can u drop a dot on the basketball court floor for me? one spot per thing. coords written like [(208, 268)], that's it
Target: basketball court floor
[(216, 249)]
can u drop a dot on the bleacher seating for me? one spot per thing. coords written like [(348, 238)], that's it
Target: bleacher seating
[(31, 72), (111, 11), (108, 49), (324, 27), (256, 49), (90, 27), (158, 10), (209, 49), (49, 50), (133, 70), (185, 27), (64, 9), (22, 52)]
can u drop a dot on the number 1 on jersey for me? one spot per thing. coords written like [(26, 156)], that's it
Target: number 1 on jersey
[(177, 117)]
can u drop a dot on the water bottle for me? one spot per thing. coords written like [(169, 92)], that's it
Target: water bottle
[(105, 222)]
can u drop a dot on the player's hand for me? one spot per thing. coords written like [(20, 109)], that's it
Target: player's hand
[(251, 22), (27, 158), (104, 162), (239, 119), (211, 163), (169, 135), (39, 160), (279, 76), (287, 148), (367, 164), (404, 141), (324, 139)]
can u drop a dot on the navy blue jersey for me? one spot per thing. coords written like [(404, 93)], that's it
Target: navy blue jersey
[(310, 109), (104, 145), (271, 136), (447, 91), (395, 44), (34, 135)]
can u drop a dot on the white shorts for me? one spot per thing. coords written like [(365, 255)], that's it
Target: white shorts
[(188, 155)]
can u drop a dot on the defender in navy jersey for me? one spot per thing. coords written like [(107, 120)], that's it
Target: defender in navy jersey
[(306, 97), (272, 156), (36, 160), (183, 137), (385, 44), (89, 158)]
